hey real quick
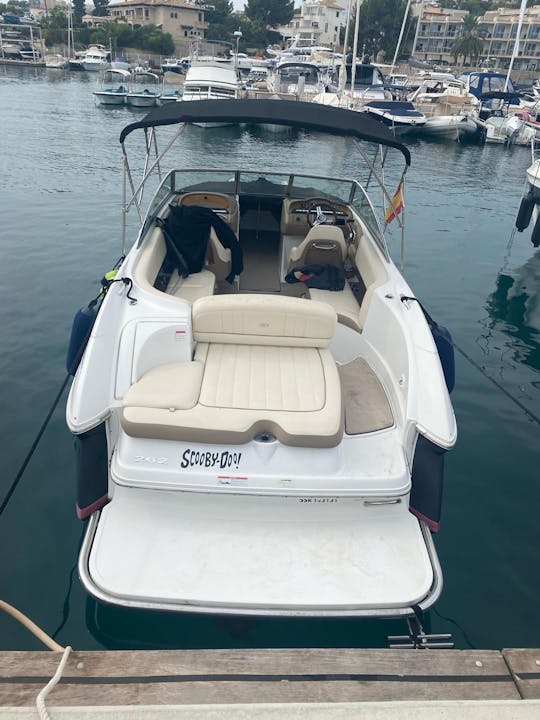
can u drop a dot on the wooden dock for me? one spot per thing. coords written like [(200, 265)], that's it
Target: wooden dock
[(257, 677)]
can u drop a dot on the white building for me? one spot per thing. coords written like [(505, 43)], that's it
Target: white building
[(318, 22)]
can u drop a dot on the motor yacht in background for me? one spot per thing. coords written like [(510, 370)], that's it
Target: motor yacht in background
[(210, 81), (301, 80), (96, 58), (253, 437)]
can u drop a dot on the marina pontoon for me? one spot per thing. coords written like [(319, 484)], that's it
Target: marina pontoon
[(261, 411)]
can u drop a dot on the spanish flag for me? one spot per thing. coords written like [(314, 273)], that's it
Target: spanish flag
[(396, 206)]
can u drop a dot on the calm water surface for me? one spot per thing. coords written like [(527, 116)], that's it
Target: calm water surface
[(60, 192)]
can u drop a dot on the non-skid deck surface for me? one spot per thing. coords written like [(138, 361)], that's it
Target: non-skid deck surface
[(261, 260)]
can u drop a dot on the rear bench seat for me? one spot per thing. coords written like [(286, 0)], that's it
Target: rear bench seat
[(262, 365)]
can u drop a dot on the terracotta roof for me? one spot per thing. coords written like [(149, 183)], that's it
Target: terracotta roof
[(158, 3)]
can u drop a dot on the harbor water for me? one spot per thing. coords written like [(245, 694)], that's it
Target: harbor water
[(60, 211)]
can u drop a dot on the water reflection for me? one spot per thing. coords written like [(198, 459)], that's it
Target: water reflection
[(125, 628), (514, 309)]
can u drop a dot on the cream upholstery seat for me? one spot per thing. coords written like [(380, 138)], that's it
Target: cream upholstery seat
[(266, 368), (324, 245), (197, 285)]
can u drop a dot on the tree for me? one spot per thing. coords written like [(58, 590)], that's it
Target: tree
[(55, 27), (379, 26), (15, 7), (101, 8), (469, 44), (78, 11), (270, 12), (221, 22)]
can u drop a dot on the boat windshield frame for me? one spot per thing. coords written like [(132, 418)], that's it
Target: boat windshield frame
[(328, 120), (357, 197)]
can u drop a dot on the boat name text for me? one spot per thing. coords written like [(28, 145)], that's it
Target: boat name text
[(207, 459)]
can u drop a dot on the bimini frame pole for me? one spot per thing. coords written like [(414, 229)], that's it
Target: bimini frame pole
[(136, 192), (386, 196), (402, 221), (373, 172)]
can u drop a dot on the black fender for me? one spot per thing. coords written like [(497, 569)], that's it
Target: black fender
[(524, 215), (427, 482), (92, 471)]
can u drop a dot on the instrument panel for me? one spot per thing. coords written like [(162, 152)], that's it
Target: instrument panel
[(301, 207)]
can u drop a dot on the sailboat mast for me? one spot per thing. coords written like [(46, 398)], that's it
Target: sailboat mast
[(515, 51), (343, 69), (400, 38), (417, 31), (355, 48)]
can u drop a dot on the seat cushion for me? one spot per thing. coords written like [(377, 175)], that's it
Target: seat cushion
[(254, 377), (175, 386), (310, 418), (263, 320), (344, 303), (195, 286)]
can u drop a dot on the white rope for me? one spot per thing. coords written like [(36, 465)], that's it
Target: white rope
[(51, 644), (40, 700), (30, 625)]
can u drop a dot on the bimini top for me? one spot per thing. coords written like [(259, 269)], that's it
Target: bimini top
[(323, 118)]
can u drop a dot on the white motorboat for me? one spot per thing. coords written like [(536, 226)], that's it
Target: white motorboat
[(172, 88), (302, 80), (248, 444), (529, 208), (96, 58), (400, 116), (450, 110), (56, 62), (113, 87), (210, 80), (176, 65), (144, 90)]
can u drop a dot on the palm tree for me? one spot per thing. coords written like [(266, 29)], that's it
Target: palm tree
[(468, 44)]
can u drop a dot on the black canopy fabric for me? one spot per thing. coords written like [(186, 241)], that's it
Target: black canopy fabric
[(309, 116)]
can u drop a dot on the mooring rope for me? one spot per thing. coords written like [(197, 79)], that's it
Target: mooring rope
[(51, 644), (127, 282), (34, 445), (497, 384), (476, 365)]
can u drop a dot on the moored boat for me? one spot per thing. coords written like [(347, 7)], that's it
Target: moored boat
[(144, 90), (113, 87), (253, 437), (210, 80)]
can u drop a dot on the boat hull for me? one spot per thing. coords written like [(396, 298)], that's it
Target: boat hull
[(142, 100), (112, 98), (452, 127)]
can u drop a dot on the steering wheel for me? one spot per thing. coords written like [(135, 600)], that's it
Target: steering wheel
[(317, 207)]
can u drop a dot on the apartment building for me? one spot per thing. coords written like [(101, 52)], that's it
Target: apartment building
[(498, 28), (437, 32), (439, 28)]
